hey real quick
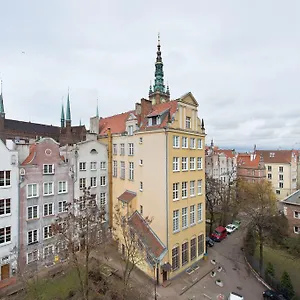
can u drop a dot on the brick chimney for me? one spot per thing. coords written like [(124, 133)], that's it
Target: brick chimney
[(146, 107), (138, 108)]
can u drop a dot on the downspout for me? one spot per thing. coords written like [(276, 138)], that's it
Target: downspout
[(110, 184), (167, 188)]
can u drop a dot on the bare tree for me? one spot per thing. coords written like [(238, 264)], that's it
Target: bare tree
[(81, 228)]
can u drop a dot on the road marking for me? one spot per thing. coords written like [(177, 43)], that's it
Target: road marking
[(207, 296), (195, 279), (183, 288)]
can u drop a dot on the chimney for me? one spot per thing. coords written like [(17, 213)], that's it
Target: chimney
[(146, 106), (138, 108)]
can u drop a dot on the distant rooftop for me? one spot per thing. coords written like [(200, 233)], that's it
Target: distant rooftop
[(293, 198)]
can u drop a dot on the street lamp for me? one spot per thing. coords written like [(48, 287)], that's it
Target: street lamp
[(155, 281)]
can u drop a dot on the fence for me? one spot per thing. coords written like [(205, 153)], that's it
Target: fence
[(271, 281)]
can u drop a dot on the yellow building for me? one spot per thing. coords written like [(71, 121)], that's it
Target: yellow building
[(158, 172)]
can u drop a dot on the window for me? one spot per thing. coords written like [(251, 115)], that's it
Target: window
[(48, 232), (82, 183), (199, 186), (32, 237), (280, 169), (48, 209), (192, 143), (184, 189), (184, 163), (184, 142), (62, 187), (175, 141), (269, 176), (32, 212), (200, 244), (4, 178), (199, 143), (122, 176), (187, 122), (32, 256), (192, 188), (32, 190), (82, 166), (131, 170), (199, 212), (192, 163), (176, 220), (5, 208), (280, 176), (185, 253), (103, 165), (141, 209), (269, 168), (184, 217), (93, 165), (193, 248), (94, 181), (130, 130), (48, 251), (192, 215), (141, 162), (141, 140), (296, 230), (199, 163), (62, 206), (296, 214), (176, 191), (281, 185), (115, 151), (102, 199), (175, 164), (103, 180), (175, 258), (141, 186), (122, 149), (277, 192), (48, 188), (48, 169), (130, 149), (272, 154), (115, 168)]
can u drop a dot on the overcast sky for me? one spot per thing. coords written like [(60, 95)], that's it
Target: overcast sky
[(240, 59)]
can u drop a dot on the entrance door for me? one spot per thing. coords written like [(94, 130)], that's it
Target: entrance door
[(4, 272), (165, 275)]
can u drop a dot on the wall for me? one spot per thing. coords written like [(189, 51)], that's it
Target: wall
[(289, 213)]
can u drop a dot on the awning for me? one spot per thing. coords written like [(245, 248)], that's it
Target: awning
[(127, 196)]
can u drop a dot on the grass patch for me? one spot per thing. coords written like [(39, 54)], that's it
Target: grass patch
[(282, 261)]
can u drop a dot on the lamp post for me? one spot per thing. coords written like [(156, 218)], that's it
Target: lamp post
[(155, 282)]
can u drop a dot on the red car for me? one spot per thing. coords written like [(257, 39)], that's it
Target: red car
[(219, 234)]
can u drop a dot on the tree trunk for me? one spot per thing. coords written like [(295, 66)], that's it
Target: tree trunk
[(87, 250), (212, 221), (261, 249)]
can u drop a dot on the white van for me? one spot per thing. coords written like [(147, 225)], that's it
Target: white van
[(235, 296)]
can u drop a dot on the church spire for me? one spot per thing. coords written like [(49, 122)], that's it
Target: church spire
[(2, 112), (68, 113), (97, 110), (62, 116)]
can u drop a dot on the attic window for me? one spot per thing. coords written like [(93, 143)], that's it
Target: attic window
[(272, 154), (94, 151), (152, 121)]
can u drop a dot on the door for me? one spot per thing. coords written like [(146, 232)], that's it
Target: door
[(165, 275), (4, 272)]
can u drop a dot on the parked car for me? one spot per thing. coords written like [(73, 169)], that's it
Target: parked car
[(237, 223), (270, 294), (219, 234), (230, 228), (235, 296), (209, 242)]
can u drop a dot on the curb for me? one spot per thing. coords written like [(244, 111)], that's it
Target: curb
[(256, 275)]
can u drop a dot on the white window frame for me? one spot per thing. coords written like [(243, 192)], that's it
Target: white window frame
[(192, 143), (175, 191), (296, 214), (192, 215), (280, 169), (185, 142), (103, 199), (62, 206), (199, 212), (103, 181), (48, 232), (30, 186), (115, 168), (199, 186), (123, 169), (176, 142), (93, 165), (176, 162), (199, 143), (82, 183), (141, 186), (130, 130), (6, 241), (103, 165), (5, 178), (93, 181), (64, 189), (184, 190), (32, 212), (82, 166), (188, 122), (27, 256), (131, 170), (130, 149), (37, 236), (115, 149), (48, 169), (192, 188), (176, 221), (296, 231), (192, 163), (50, 183), (184, 164), (6, 207), (199, 163), (184, 217), (122, 149), (48, 205), (50, 253)]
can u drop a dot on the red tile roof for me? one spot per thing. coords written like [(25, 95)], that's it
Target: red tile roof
[(228, 153), (244, 160), (127, 196), (117, 123), (30, 157), (280, 156), (146, 234)]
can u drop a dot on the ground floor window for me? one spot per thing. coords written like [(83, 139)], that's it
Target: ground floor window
[(193, 248), (297, 229), (185, 253), (200, 244), (175, 258), (32, 256)]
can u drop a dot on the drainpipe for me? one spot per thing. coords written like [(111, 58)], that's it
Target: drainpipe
[(110, 204), (167, 188)]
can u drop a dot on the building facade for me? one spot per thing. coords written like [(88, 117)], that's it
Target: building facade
[(45, 191), (291, 209), (9, 211), (158, 173)]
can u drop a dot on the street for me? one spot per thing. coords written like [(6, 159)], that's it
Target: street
[(235, 274)]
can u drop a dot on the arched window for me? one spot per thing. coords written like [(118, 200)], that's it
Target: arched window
[(175, 257)]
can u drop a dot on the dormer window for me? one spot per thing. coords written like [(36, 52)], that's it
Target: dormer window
[(152, 121), (130, 130), (272, 154)]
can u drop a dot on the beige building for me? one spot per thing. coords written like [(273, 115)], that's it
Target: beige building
[(158, 172)]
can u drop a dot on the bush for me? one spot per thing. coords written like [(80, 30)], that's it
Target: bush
[(286, 285)]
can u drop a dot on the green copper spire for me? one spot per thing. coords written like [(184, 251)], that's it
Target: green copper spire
[(62, 117), (68, 113), (2, 112), (80, 122), (159, 73)]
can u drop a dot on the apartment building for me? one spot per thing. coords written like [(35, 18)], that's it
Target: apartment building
[(281, 170), (291, 209), (220, 164), (9, 212), (45, 191)]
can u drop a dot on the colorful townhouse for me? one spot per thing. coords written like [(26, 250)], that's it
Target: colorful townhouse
[(158, 173), (45, 191)]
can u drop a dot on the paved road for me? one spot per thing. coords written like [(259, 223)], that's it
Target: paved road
[(235, 274)]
